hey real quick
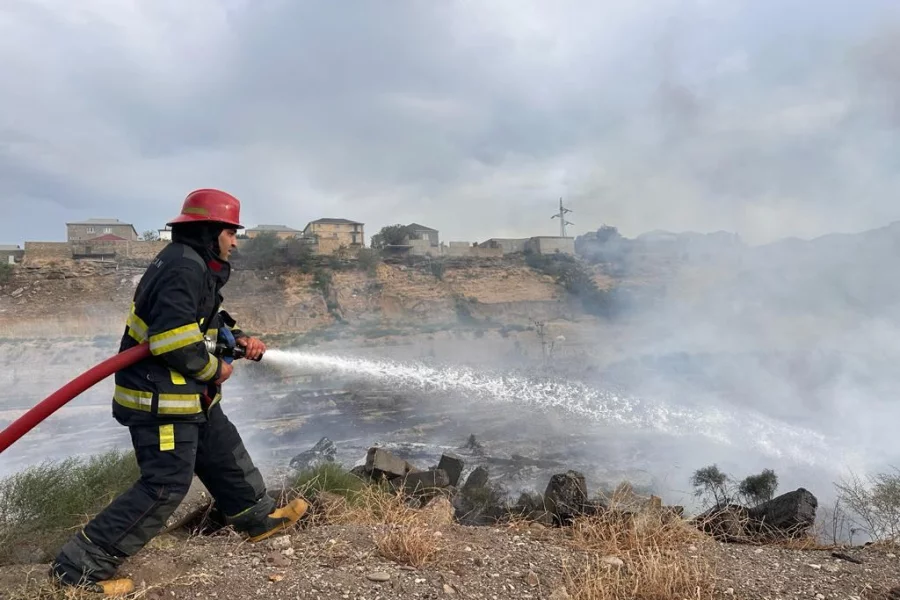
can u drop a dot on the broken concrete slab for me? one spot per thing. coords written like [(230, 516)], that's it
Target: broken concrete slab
[(382, 462), (420, 482), (453, 466)]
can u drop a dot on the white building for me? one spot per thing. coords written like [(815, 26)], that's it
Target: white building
[(166, 234)]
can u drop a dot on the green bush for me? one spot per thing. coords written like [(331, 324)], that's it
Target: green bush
[(570, 273), (437, 269), (330, 477), (43, 505), (6, 272), (368, 259)]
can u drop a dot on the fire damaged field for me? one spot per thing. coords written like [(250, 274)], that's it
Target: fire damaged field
[(448, 497), (376, 535)]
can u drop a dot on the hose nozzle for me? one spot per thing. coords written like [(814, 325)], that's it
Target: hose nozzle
[(222, 350)]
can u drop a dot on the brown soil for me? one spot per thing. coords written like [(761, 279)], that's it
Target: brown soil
[(508, 562)]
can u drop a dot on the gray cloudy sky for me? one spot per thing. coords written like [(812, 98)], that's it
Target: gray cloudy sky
[(764, 117)]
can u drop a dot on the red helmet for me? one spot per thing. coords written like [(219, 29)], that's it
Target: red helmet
[(210, 205)]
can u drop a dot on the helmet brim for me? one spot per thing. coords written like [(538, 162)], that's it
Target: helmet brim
[(201, 219)]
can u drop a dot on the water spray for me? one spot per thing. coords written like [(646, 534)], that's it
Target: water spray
[(581, 401)]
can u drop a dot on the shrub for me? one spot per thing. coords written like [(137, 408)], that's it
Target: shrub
[(6, 272), (875, 502), (437, 269), (756, 489), (570, 273), (43, 504), (368, 259), (712, 485), (331, 478)]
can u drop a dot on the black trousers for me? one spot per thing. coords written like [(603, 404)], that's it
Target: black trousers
[(168, 456)]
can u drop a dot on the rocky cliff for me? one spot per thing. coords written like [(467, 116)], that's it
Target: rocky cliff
[(70, 298)]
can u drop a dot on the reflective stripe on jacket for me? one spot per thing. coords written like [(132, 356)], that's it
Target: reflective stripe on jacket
[(176, 304)]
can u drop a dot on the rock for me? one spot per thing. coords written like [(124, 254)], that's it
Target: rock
[(789, 514), (725, 524), (476, 479), (17, 292), (566, 496), (531, 507), (532, 579), (276, 577), (282, 542), (276, 559), (560, 594), (453, 466), (422, 482), (613, 561), (479, 505), (322, 453), (449, 590), (847, 557), (381, 462), (361, 472), (439, 511), (378, 576), (473, 445)]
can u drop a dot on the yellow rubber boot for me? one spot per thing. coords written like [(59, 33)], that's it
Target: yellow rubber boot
[(116, 587), (281, 519)]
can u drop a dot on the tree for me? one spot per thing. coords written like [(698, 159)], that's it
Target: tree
[(756, 489), (712, 484), (392, 235), (262, 251), (150, 235)]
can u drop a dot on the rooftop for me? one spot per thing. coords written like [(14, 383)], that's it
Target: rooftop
[(418, 227), (8, 247), (99, 222), (336, 221), (274, 228)]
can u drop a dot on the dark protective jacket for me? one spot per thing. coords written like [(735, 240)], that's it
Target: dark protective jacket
[(176, 303)]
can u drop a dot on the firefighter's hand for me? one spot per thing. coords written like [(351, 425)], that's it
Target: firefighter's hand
[(255, 347), (225, 373)]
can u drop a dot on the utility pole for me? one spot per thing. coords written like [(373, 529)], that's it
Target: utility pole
[(561, 215)]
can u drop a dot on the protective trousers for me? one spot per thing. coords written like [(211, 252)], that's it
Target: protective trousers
[(168, 456)]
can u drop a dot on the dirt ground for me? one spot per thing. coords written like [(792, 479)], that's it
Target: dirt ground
[(523, 562)]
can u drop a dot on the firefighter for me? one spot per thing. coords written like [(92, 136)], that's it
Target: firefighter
[(171, 403)]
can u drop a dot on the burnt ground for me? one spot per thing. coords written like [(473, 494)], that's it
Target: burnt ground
[(524, 562)]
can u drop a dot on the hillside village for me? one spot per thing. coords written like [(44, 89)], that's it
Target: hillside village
[(110, 239)]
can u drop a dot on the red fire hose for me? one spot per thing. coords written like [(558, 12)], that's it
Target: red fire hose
[(57, 399)]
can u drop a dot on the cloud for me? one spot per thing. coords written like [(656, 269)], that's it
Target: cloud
[(470, 117)]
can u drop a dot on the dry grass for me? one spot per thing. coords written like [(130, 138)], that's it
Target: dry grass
[(38, 586), (412, 545), (659, 554), (404, 534)]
